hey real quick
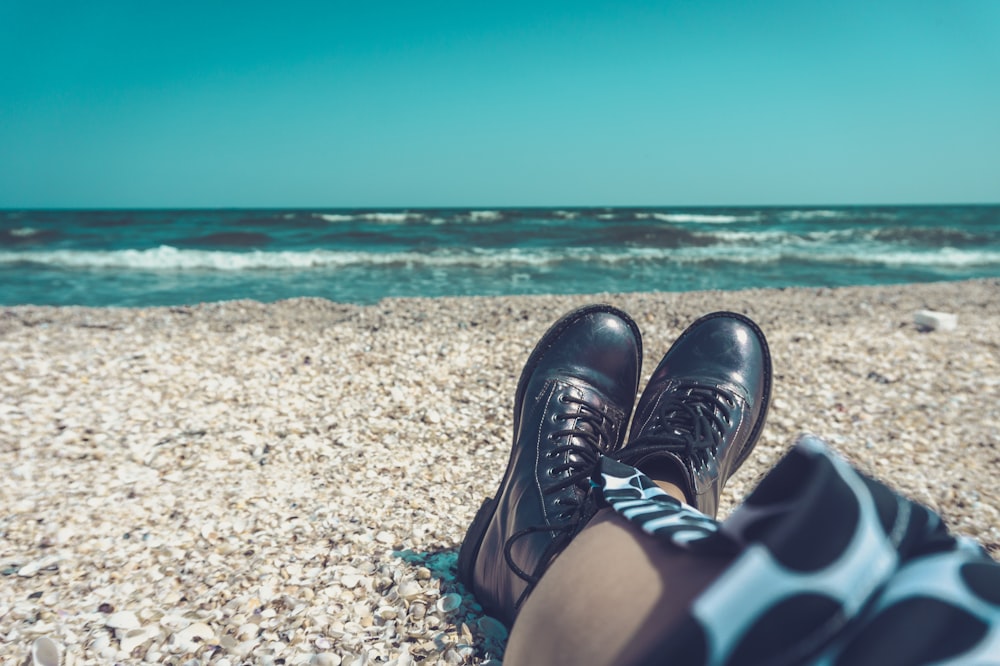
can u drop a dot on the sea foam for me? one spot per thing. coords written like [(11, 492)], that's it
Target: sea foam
[(166, 258)]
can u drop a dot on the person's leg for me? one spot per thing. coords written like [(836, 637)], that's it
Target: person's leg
[(609, 598)]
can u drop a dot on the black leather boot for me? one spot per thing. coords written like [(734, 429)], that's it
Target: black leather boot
[(703, 409), (573, 403)]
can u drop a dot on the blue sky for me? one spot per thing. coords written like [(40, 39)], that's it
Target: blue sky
[(408, 104)]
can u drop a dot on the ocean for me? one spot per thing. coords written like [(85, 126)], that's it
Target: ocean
[(173, 257)]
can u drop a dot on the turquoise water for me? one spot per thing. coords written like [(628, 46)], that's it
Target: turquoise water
[(150, 257)]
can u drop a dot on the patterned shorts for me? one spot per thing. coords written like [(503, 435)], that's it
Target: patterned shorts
[(830, 567)]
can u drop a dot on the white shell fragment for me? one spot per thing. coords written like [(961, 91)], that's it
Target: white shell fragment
[(192, 637), (44, 652), (449, 602), (125, 620), (137, 637)]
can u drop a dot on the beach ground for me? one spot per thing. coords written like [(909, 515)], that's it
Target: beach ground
[(289, 483)]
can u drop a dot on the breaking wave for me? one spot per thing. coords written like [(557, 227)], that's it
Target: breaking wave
[(166, 258)]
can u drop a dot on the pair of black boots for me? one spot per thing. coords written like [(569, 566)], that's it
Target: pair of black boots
[(695, 423)]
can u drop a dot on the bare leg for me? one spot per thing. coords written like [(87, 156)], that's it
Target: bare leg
[(609, 598)]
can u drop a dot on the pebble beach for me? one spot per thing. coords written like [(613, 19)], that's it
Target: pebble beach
[(289, 483)]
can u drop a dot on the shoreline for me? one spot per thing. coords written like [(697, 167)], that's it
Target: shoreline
[(292, 479)]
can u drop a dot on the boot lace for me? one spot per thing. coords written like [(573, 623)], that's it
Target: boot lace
[(691, 421), (586, 437)]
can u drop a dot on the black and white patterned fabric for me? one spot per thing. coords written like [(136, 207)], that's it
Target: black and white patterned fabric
[(830, 567)]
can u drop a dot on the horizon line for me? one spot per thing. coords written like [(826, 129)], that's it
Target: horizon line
[(485, 207)]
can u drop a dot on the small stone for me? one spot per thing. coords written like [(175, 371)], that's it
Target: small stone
[(935, 321)]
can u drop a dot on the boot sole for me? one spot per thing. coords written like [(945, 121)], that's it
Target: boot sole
[(477, 531)]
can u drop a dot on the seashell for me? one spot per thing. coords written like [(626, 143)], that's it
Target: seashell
[(100, 644), (325, 659), (174, 623), (150, 615), (125, 620), (44, 652), (449, 602), (32, 568), (193, 636), (409, 589), (136, 637), (418, 610), (492, 629), (243, 649), (247, 631), (337, 629)]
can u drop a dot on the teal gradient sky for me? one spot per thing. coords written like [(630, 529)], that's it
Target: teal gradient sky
[(466, 103)]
